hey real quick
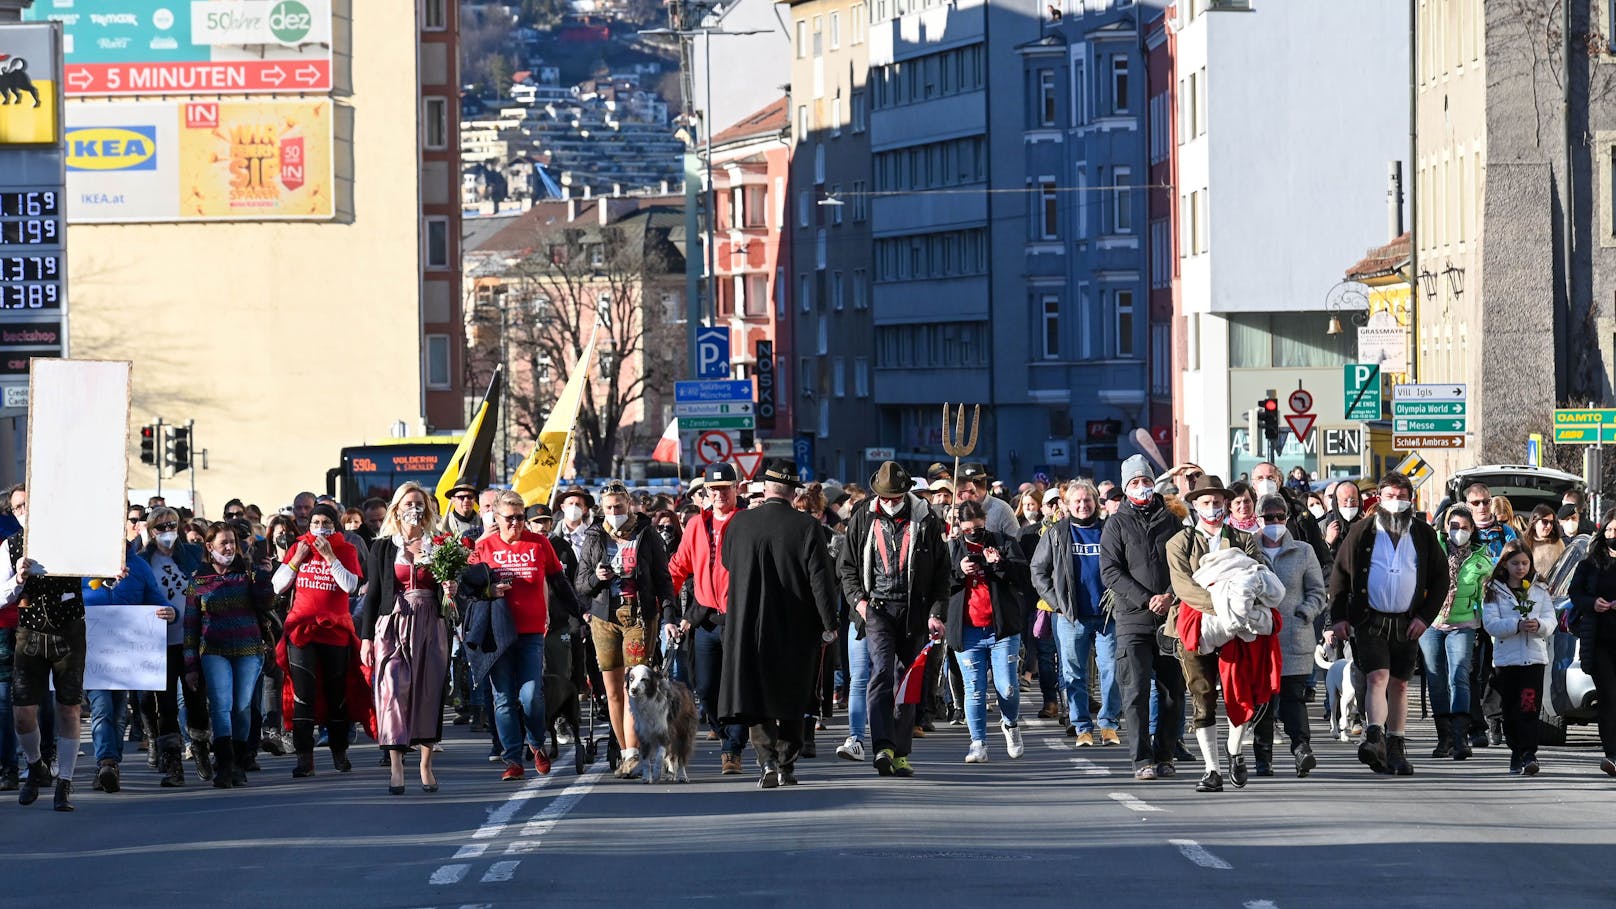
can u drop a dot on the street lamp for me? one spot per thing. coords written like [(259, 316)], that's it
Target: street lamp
[(1428, 284), (1341, 294), (1455, 278)]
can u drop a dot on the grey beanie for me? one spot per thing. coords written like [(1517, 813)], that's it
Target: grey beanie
[(1136, 466), (1273, 500)]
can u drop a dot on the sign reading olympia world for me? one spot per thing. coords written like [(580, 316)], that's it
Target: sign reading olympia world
[(200, 161), (1429, 416), (184, 47)]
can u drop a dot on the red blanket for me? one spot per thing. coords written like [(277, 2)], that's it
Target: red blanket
[(1249, 670), (300, 631)]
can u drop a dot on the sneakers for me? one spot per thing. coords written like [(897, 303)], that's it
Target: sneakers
[(850, 750), (1145, 774), (1211, 781), (977, 754), (956, 717), (8, 779), (513, 772), (630, 767), (1608, 767), (1305, 761), (1085, 740), (1529, 766), (902, 767), (771, 776), (788, 776), (809, 749), (106, 777), (1109, 737), (729, 764), (1012, 741), (1166, 770), (884, 760), (541, 763)]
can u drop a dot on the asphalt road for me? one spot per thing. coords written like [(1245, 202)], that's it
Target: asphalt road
[(1058, 826)]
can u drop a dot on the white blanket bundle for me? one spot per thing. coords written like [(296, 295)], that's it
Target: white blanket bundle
[(1243, 591)]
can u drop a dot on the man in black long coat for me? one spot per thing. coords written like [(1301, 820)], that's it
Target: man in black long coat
[(782, 609)]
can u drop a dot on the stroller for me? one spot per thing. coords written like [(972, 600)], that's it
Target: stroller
[(567, 673)]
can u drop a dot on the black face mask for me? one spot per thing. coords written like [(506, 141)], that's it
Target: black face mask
[(667, 537), (977, 536)]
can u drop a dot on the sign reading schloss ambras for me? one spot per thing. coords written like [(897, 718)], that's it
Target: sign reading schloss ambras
[(200, 161)]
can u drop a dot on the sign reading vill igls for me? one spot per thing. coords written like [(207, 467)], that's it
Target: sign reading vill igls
[(181, 47), (199, 161)]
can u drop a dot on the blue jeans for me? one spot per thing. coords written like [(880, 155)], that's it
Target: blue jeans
[(1447, 668), (708, 656), (107, 712), (231, 682), (1077, 640), (518, 681), (858, 684), (673, 657), (1005, 654)]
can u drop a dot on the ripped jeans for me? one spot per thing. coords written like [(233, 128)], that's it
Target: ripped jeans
[(980, 648)]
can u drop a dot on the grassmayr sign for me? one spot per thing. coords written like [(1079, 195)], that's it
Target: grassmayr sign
[(162, 47)]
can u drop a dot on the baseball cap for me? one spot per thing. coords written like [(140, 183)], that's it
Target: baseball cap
[(719, 473)]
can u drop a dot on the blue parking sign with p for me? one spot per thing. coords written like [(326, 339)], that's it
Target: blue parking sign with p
[(712, 353)]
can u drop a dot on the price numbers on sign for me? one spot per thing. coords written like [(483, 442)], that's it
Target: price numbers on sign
[(32, 204), (30, 232), (30, 296), (30, 268)]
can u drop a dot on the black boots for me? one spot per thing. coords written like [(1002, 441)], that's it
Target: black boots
[(305, 765), (339, 759), (1305, 761), (1444, 736), (1459, 726), (38, 775), (243, 754), (1397, 757), (63, 800), (1372, 750), (224, 761), (169, 761), (201, 753), (1263, 763), (106, 777)]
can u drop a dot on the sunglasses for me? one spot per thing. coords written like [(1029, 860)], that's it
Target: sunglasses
[(136, 518), (171, 525), (462, 497), (1477, 503), (511, 518), (1274, 518), (664, 527), (1545, 520), (234, 514)]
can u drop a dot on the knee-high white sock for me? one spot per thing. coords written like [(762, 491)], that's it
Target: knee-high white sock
[(1207, 738), (67, 756), (1237, 738), (30, 745)]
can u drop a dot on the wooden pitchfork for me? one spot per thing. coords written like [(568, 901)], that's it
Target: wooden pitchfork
[(953, 444)]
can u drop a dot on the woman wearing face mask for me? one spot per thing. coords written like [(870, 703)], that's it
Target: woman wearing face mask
[(982, 622), (404, 639), (319, 649), (1593, 620), (1545, 539), (1315, 506), (224, 647), (1029, 511), (1447, 647), (1296, 566), (175, 564)]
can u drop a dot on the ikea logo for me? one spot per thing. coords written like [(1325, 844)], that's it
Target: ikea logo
[(93, 148)]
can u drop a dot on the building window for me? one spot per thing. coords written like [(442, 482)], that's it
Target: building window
[(861, 377), (860, 201), (819, 164), (802, 39), (1125, 342), (756, 302), (823, 336), (435, 114), (838, 376), (805, 293), (1048, 211), (433, 17), (805, 203), (1122, 200), (824, 418), (802, 123), (1119, 84), (1051, 323), (836, 115), (1200, 104), (1161, 359), (835, 31), (805, 376), (754, 206), (819, 249), (861, 112), (836, 210), (819, 37), (861, 293), (837, 292), (437, 242), (1080, 88), (597, 255), (1046, 97), (856, 20), (438, 366)]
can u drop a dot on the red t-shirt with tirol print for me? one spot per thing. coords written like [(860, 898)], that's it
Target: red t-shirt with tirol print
[(526, 563)]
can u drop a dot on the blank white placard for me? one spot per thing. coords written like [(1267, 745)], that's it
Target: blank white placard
[(78, 468)]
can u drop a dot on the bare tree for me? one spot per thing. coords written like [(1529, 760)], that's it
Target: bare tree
[(1534, 30)]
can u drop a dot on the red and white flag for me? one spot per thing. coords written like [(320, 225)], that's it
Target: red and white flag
[(667, 447)]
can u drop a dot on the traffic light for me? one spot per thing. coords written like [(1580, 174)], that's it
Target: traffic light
[(179, 448), (148, 444), (1268, 418)]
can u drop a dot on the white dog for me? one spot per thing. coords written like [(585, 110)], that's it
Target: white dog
[(1343, 684), (665, 720)]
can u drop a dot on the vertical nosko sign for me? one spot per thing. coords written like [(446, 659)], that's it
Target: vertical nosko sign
[(765, 385)]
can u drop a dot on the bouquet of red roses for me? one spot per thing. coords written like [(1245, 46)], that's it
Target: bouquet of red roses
[(447, 557)]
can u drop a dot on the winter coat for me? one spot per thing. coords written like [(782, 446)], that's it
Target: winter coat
[(782, 599), (927, 573), (1511, 645), (1469, 584), (697, 561), (488, 632), (1133, 562), (1349, 576), (1052, 572), (653, 590), (1007, 581), (1244, 595), (1330, 517), (1594, 579), (1184, 554), (1305, 598)]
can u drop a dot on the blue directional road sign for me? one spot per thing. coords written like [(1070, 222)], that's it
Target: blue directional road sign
[(712, 353), (727, 390)]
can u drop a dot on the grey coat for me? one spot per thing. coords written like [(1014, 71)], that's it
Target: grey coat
[(1298, 569)]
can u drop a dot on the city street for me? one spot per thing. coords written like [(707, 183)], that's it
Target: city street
[(1055, 825)]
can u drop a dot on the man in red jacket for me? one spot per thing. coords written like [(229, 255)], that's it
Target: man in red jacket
[(698, 558)]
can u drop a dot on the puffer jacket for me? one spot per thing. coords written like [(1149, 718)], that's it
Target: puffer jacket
[(1133, 562), (1511, 646), (1469, 588), (1305, 598)]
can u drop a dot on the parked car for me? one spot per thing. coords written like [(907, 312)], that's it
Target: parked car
[(1569, 694), (1526, 487)]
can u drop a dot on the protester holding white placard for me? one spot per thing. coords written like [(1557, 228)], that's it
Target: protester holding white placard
[(109, 706), (174, 563), (223, 645), (8, 644)]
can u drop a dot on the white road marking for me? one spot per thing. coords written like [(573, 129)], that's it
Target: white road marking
[(1089, 768), (560, 805), (1261, 904), (499, 817), (521, 847), (448, 874), (471, 851), (1197, 853), (500, 872), (1132, 803)]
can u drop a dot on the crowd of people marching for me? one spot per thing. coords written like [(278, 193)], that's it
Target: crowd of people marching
[(1134, 608)]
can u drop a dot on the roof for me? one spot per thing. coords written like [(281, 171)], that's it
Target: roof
[(1382, 261), (477, 230), (524, 232), (771, 120)]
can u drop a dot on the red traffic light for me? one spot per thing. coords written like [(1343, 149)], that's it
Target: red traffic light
[(1271, 405), (147, 432)]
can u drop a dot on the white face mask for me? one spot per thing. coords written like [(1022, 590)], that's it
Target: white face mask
[(1273, 532), (167, 540), (1459, 537), (1140, 493), (616, 521), (891, 506), (572, 513), (1348, 511), (1569, 528), (1395, 506), (411, 515), (1317, 511), (1210, 515), (327, 531), (1266, 487), (220, 559)]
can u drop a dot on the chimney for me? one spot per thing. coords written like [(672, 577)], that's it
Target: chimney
[(587, 194), (664, 188), (572, 209), (1394, 198), (617, 189)]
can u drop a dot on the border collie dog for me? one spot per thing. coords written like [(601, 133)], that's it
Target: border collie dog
[(665, 720)]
